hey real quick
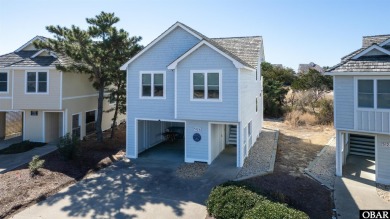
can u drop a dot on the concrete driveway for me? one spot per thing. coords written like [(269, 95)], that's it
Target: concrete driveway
[(356, 190), (143, 188)]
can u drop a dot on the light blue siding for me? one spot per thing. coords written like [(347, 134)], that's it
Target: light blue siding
[(197, 151), (344, 102), (205, 58), (157, 58)]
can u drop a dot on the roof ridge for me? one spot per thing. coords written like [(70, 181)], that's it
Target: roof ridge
[(377, 35), (236, 37)]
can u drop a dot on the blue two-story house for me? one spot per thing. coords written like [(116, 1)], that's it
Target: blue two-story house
[(210, 88), (361, 84)]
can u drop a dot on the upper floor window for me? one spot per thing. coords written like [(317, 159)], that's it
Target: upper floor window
[(366, 93), (152, 85), (36, 82), (374, 93), (205, 85), (3, 82), (383, 95)]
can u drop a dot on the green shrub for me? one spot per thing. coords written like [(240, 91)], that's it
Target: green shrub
[(35, 164), (272, 210), (226, 202), (21, 147), (274, 98), (69, 147), (325, 114)]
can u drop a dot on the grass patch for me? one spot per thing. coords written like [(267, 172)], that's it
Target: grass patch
[(21, 147)]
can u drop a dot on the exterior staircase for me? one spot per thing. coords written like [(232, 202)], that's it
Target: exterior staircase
[(232, 135), (362, 145)]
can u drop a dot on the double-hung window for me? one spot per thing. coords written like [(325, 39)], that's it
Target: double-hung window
[(36, 82), (373, 93), (206, 85), (3, 82), (152, 85)]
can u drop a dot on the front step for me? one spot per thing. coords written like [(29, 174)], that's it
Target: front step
[(232, 138)]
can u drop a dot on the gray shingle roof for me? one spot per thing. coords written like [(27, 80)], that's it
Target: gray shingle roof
[(377, 39), (304, 68), (246, 48), (374, 63)]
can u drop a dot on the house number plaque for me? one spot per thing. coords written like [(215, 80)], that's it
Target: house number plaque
[(197, 137), (386, 144)]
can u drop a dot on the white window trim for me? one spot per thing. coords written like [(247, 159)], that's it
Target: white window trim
[(36, 77), (5, 92), (152, 85), (205, 72), (375, 80)]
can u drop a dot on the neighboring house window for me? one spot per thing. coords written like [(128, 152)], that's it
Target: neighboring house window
[(76, 126), (36, 82), (90, 118), (206, 85), (112, 98), (3, 82), (153, 84), (257, 108), (383, 94)]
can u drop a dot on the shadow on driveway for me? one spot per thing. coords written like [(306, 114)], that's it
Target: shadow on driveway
[(142, 188)]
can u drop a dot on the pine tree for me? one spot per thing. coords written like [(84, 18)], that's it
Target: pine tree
[(93, 52)]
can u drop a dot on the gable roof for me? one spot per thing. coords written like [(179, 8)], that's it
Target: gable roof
[(31, 58), (245, 50), (363, 60), (304, 68)]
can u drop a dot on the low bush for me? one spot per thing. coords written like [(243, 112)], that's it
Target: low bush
[(35, 164), (325, 114), (297, 118), (272, 210), (232, 200), (226, 202), (21, 147), (69, 147)]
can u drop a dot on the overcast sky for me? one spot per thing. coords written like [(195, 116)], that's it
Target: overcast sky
[(294, 31)]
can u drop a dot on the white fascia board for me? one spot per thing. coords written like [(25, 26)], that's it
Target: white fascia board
[(236, 63), (385, 42), (124, 66), (28, 43), (357, 73), (41, 51), (370, 49), (29, 68)]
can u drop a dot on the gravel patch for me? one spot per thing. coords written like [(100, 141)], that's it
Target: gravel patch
[(383, 191), (261, 155), (191, 170), (323, 167)]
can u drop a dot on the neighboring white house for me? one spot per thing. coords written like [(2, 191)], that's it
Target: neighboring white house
[(209, 87), (362, 105), (52, 103)]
